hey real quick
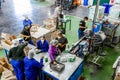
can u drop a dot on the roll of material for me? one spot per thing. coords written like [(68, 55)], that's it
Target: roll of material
[(101, 34)]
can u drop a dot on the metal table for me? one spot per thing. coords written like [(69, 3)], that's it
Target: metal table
[(71, 72)]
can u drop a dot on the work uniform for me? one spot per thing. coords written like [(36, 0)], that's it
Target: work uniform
[(81, 30), (52, 52), (27, 33), (62, 40), (17, 55), (27, 22), (43, 46), (32, 68)]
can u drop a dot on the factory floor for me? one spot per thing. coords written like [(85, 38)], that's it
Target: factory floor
[(13, 12)]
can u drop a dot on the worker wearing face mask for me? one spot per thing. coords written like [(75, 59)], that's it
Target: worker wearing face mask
[(42, 44), (32, 67), (27, 21)]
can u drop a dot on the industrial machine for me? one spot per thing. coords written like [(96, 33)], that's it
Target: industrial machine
[(97, 44), (111, 27), (80, 48), (67, 4)]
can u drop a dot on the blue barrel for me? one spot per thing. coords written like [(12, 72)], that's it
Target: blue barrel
[(107, 8), (97, 28), (85, 3)]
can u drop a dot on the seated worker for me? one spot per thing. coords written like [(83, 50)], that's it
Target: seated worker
[(53, 51), (32, 67), (26, 35), (106, 23), (62, 40), (16, 56), (42, 44), (27, 21), (82, 27)]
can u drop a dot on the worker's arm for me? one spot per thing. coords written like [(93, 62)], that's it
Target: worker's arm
[(82, 27), (22, 35), (39, 65)]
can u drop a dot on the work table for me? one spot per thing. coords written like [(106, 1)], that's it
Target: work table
[(70, 67)]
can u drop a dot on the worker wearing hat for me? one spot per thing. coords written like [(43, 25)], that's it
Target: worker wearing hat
[(31, 66), (16, 56), (27, 21), (53, 51), (42, 44)]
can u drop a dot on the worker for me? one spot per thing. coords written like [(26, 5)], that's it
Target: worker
[(53, 51), (82, 27), (105, 23), (57, 15), (62, 40), (26, 34), (27, 21), (42, 44), (31, 66), (16, 56)]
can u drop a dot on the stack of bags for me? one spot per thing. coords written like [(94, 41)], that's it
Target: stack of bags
[(6, 70)]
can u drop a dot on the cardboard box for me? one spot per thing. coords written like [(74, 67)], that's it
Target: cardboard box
[(50, 24), (6, 44), (7, 36), (1, 47), (4, 63), (8, 75), (117, 77), (1, 69)]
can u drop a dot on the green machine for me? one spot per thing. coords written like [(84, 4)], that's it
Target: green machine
[(101, 2)]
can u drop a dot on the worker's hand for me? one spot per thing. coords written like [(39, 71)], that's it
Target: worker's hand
[(42, 57), (27, 37), (54, 62), (26, 42)]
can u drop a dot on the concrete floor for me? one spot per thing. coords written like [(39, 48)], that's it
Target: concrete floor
[(13, 12)]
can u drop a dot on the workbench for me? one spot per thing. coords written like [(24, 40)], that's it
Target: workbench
[(71, 72)]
